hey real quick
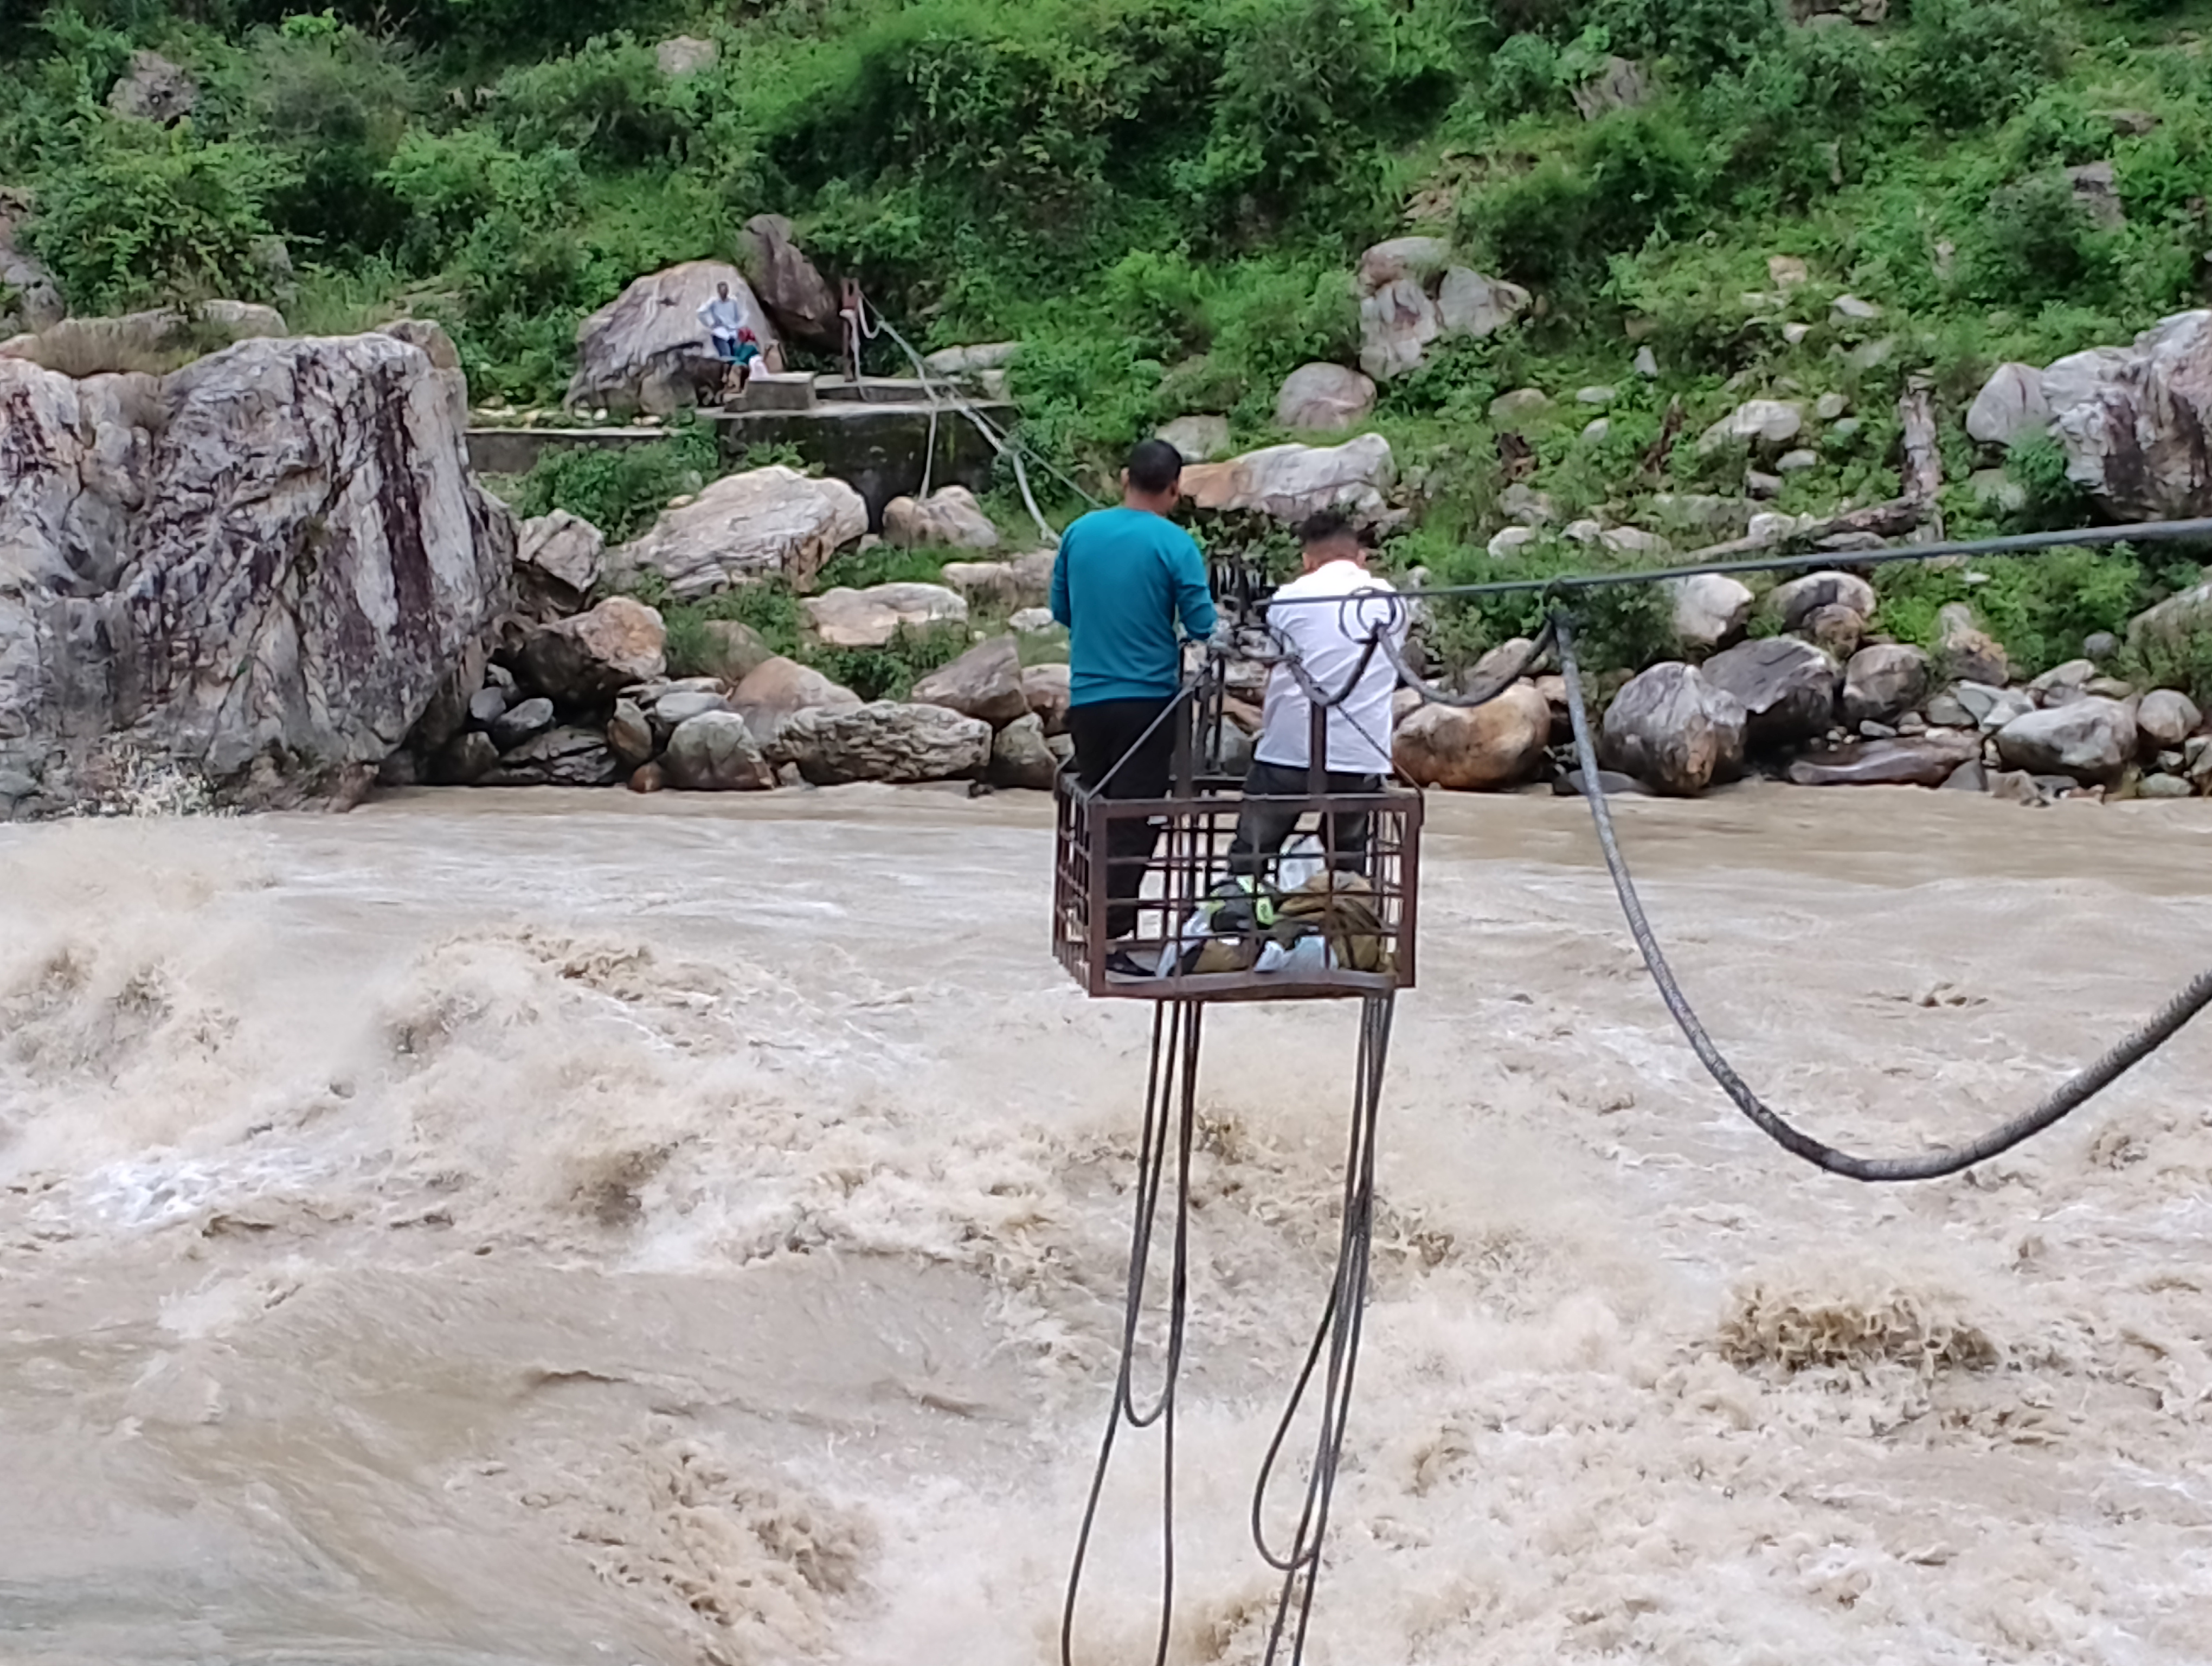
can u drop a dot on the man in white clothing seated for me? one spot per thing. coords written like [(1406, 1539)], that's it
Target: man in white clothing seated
[(1326, 617)]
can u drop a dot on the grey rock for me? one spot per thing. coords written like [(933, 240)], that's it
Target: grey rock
[(2099, 193), (949, 518), (845, 617), (1797, 462), (1768, 425), (716, 753), (1870, 730), (1794, 601), (2100, 646), (1469, 304), (1964, 652), (1787, 689), (1829, 407), (629, 734), (1291, 481), (1322, 399), (583, 660), (1710, 609), (886, 742), (1594, 432), (797, 296), (778, 690), (1835, 629), (264, 570), (1883, 682), (1024, 582), (1032, 622), (1673, 730), (1046, 688), (1595, 396), (1646, 362), (465, 760), (2196, 757), (1475, 749), (686, 55), (2167, 717), (1621, 84), (985, 682), (2010, 406), (1197, 439), (1611, 782), (2061, 684), (1764, 487), (2111, 688), (521, 724), (1020, 756), (1519, 407), (2016, 787), (682, 705), (154, 89), (1971, 777), (646, 349), (560, 758), (2164, 787), (1853, 310), (1928, 760), (557, 562), (2090, 739), (972, 360), (734, 651), (2134, 422), (487, 707)]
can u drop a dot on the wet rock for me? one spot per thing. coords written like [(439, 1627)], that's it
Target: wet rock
[(2167, 717), (1928, 760), (949, 518), (488, 706), (1794, 601), (885, 742), (1045, 687), (797, 296), (869, 618), (1835, 629), (152, 88), (584, 659), (646, 349), (1291, 481), (557, 562), (1768, 425), (773, 522), (2089, 739), (465, 760), (2010, 406), (1883, 682), (1673, 730), (264, 569), (1021, 758), (1969, 777), (1324, 398), (570, 757), (521, 723), (1024, 581), (778, 689), (985, 682), (1786, 688), (2135, 423), (716, 753), (629, 734), (1473, 749), (1966, 653)]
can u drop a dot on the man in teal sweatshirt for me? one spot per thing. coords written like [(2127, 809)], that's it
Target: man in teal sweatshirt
[(1122, 581)]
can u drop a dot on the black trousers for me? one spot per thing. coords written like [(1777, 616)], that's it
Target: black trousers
[(1262, 828), (1104, 732)]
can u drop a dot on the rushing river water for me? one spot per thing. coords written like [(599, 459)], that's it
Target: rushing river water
[(561, 1228)]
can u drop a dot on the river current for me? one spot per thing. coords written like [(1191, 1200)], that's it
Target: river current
[(561, 1229)]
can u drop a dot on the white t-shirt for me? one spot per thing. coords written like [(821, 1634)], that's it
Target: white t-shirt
[(1329, 634)]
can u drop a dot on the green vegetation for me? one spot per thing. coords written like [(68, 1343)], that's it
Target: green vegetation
[(1163, 200)]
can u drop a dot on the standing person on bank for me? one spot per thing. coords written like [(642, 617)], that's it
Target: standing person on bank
[(1326, 617), (1122, 581)]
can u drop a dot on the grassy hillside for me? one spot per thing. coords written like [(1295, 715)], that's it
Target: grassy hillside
[(1163, 199)]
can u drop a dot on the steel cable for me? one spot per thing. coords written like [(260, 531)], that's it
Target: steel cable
[(2076, 1091)]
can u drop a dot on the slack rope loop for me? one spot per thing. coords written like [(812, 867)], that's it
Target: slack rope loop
[(2085, 1084)]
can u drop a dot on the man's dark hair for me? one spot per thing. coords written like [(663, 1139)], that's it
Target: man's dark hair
[(1154, 466), (1326, 527)]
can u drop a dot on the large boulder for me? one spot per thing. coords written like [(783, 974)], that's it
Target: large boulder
[(1710, 609), (2010, 406), (773, 522), (1884, 682), (1292, 481), (557, 562), (730, 650), (1797, 601), (844, 618), (1475, 748), (2166, 718), (949, 516), (1410, 294), (647, 350), (1469, 304), (1787, 689), (2091, 739), (587, 660), (152, 88), (985, 682), (716, 753), (1965, 653), (778, 689), (571, 756), (1928, 760), (885, 741), (1024, 581), (797, 296), (1199, 438), (1021, 757), (1046, 688), (2136, 424), (262, 569), (1673, 730), (1324, 399)]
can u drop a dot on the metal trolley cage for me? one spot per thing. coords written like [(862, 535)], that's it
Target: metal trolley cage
[(1372, 903)]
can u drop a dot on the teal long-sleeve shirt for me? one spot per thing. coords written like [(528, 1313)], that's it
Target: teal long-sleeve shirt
[(1123, 579)]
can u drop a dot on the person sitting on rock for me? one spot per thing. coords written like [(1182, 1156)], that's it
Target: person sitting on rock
[(1325, 617), (1121, 581), (735, 344)]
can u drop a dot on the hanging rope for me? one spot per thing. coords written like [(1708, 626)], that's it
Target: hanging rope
[(2069, 1096)]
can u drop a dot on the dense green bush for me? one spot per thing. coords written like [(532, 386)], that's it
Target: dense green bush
[(619, 488)]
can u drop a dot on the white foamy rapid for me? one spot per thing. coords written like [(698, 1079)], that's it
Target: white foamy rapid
[(542, 1228)]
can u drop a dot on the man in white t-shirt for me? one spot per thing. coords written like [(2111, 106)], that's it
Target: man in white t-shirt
[(1326, 617)]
